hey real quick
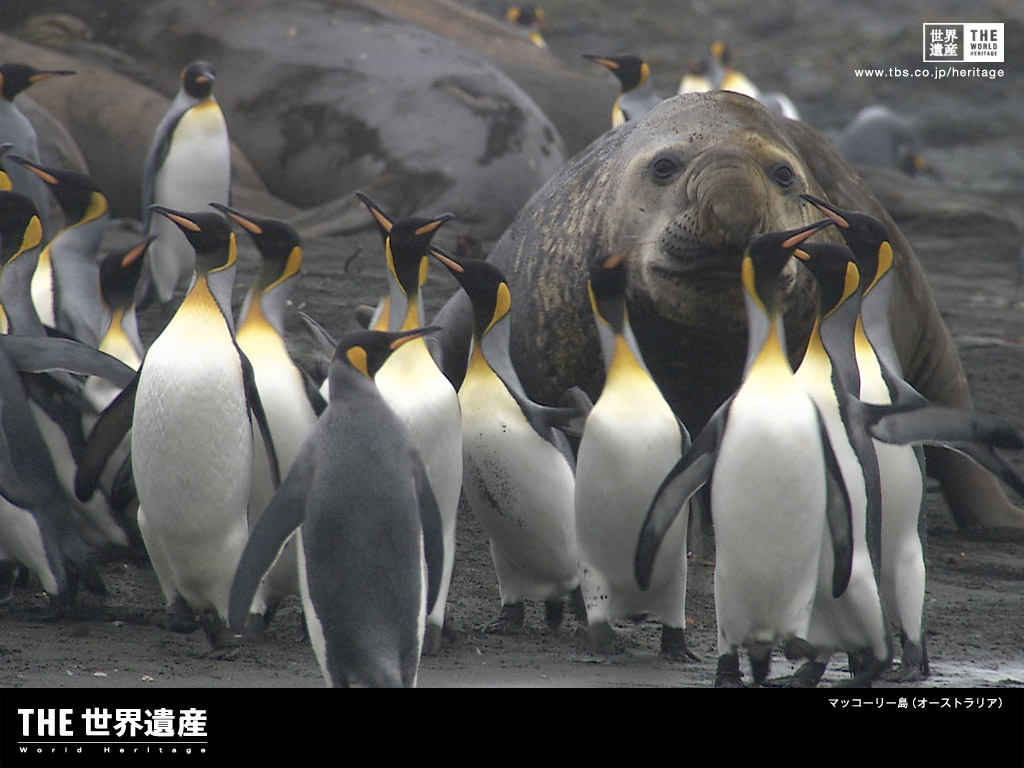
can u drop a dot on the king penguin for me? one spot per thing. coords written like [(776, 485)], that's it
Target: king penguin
[(775, 487), (38, 527), (530, 19), (517, 465), (282, 387), (369, 539), (879, 137), (16, 129), (636, 91), (855, 621), (631, 439), (188, 166), (192, 450), (414, 386), (65, 284)]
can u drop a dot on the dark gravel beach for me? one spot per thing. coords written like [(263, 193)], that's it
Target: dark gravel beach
[(963, 217)]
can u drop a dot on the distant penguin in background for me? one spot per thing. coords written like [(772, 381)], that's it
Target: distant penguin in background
[(879, 137), (530, 19), (631, 439), (636, 91), (188, 166), (517, 466), (414, 386), (16, 129), (65, 284), (775, 488), (368, 539), (695, 79), (283, 390)]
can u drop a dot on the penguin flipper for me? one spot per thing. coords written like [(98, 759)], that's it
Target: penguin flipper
[(110, 429), (284, 513), (941, 425), (319, 334), (255, 405), (313, 393), (689, 475), (838, 515), (433, 533), (971, 433), (45, 354)]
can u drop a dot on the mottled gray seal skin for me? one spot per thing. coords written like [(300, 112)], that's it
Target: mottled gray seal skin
[(681, 191), (329, 98)]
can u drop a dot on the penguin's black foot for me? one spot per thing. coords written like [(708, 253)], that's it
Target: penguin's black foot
[(597, 639), (9, 573), (728, 674), (797, 648), (255, 626), (180, 617), (578, 605), (554, 613), (807, 676), (432, 639), (913, 667), (509, 621), (760, 661), (865, 669), (225, 645), (674, 647)]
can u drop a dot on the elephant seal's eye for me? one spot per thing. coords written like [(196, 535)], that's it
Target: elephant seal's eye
[(665, 167), (784, 175)]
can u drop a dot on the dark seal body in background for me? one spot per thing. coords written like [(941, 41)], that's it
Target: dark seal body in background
[(682, 190)]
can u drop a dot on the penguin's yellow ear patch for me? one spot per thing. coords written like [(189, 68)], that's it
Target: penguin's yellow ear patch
[(357, 357)]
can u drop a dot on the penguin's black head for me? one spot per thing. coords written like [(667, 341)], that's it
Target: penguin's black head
[(119, 274), (78, 193), (278, 244), (632, 71), (197, 79), (765, 258), (15, 78), (867, 237), (20, 227), (831, 264), (720, 52), (526, 15), (485, 285), (208, 233), (608, 290), (367, 351)]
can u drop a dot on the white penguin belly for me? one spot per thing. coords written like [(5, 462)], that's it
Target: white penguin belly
[(192, 458), (424, 399), (521, 489), (196, 172), (768, 505), (854, 620), (630, 442)]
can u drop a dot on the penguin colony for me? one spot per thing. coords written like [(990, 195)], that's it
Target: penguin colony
[(245, 481)]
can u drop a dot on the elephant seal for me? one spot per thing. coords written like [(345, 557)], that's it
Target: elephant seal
[(681, 191)]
